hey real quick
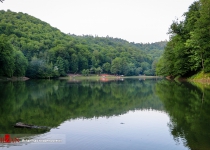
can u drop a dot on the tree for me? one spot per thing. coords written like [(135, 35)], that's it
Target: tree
[(162, 67), (106, 67), (98, 70), (125, 68), (74, 63), (138, 71), (83, 62), (200, 37), (6, 57), (85, 72), (60, 63), (33, 68), (35, 38), (182, 52), (145, 66), (21, 64), (38, 68), (116, 66)]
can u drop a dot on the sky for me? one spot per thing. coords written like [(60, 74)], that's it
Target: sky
[(139, 21)]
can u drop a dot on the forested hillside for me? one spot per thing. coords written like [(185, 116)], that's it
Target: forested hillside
[(30, 47), (188, 50)]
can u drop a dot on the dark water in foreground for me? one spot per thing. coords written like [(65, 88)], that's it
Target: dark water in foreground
[(130, 114)]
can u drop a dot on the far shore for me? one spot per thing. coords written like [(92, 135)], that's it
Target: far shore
[(106, 77), (14, 78)]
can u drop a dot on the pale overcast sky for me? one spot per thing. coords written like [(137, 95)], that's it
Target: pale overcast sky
[(132, 20)]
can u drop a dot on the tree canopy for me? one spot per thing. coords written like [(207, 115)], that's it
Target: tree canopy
[(45, 51), (187, 51)]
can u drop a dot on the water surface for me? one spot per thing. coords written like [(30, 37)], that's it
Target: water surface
[(130, 114)]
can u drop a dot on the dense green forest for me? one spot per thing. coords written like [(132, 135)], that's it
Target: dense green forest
[(30, 47), (188, 50)]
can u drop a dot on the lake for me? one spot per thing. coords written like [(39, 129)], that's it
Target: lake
[(134, 114)]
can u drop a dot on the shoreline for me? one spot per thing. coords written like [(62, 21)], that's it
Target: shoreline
[(79, 76), (107, 78), (14, 79)]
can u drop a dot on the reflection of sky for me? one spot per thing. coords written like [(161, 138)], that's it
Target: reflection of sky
[(141, 130)]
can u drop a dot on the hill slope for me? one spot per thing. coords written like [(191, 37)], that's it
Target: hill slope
[(37, 50)]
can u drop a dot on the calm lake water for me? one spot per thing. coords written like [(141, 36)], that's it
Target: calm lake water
[(131, 114)]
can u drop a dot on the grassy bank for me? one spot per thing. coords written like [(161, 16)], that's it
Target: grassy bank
[(201, 80), (201, 77)]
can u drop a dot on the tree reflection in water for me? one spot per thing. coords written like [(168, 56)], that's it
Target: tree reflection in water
[(189, 113), (51, 102)]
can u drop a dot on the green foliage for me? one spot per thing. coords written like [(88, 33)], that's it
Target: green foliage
[(60, 64), (74, 63), (21, 64), (138, 71), (70, 53), (187, 52), (199, 75), (116, 66), (98, 70), (106, 67), (6, 57), (39, 69), (145, 66), (85, 72), (12, 62)]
